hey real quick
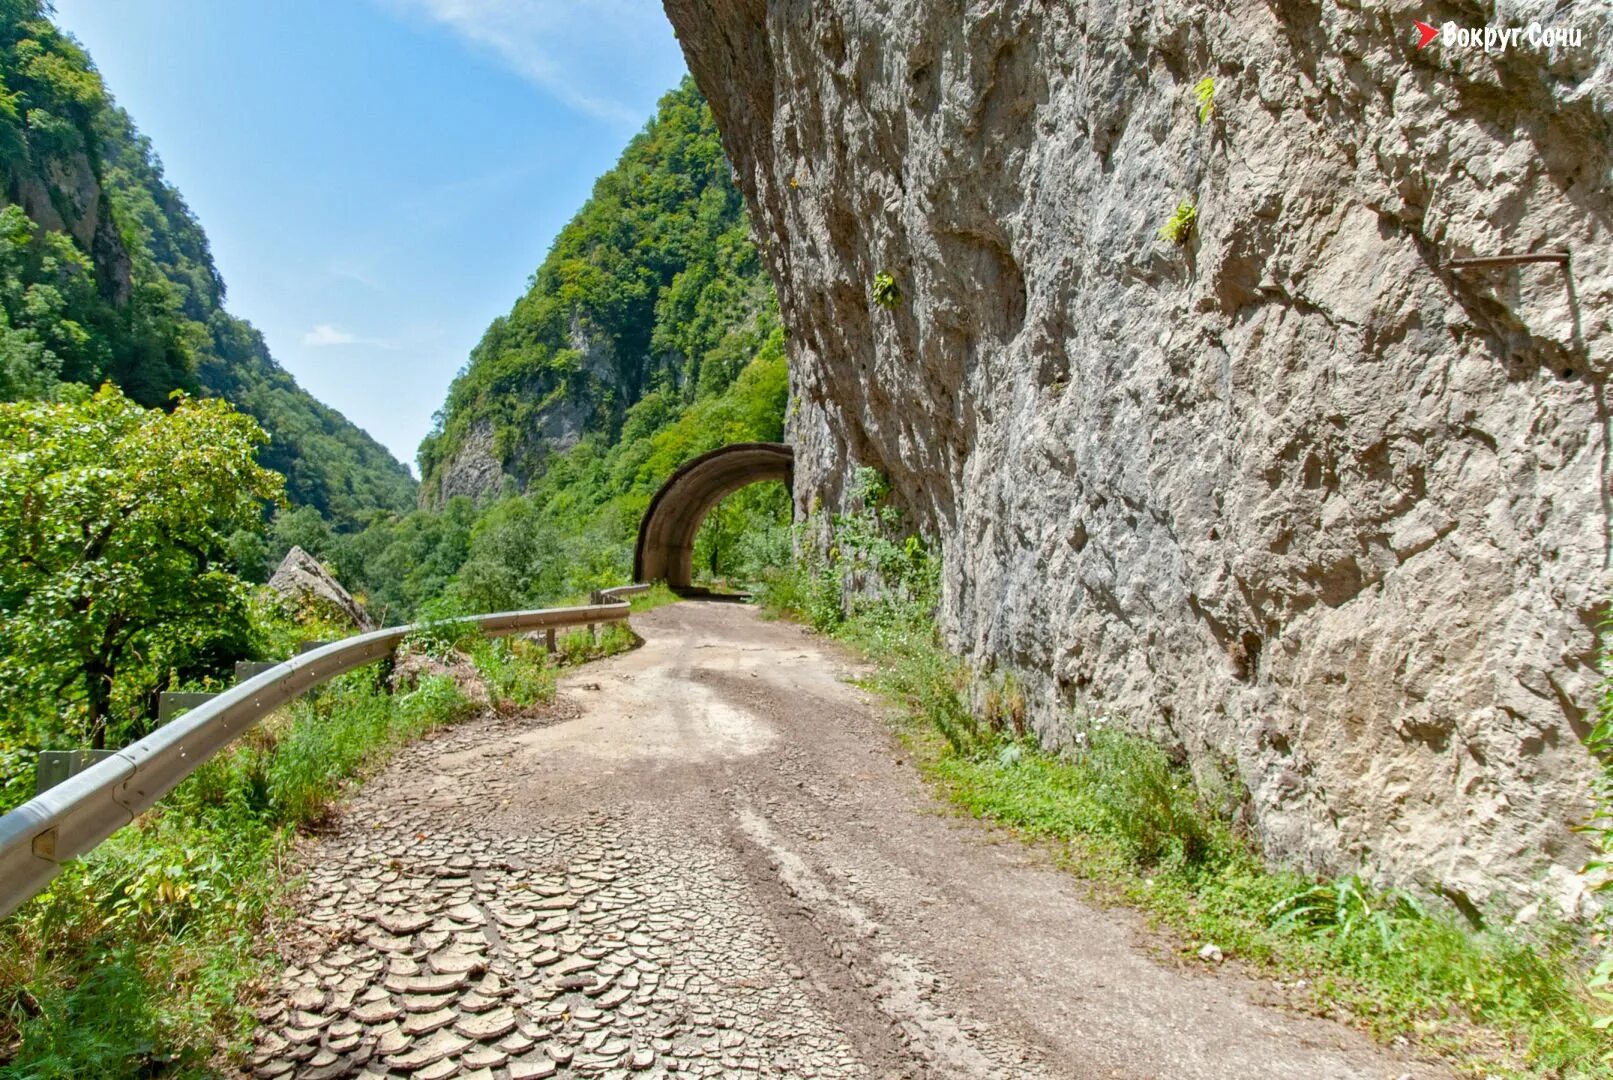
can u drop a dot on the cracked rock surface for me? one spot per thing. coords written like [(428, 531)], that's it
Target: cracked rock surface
[(708, 861)]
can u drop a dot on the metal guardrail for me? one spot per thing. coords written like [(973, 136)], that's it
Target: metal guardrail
[(76, 815)]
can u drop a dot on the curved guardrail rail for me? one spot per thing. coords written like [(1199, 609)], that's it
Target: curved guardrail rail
[(73, 817)]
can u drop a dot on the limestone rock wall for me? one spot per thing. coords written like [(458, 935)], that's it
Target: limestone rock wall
[(1296, 497), (475, 470)]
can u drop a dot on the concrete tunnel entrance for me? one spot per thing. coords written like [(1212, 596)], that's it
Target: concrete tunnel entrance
[(666, 536)]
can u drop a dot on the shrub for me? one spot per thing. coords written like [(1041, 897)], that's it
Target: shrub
[(808, 590), (1003, 705), (515, 672), (1144, 801)]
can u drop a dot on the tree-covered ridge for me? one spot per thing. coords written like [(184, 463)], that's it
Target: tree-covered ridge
[(106, 275), (654, 289), (649, 335), (573, 530)]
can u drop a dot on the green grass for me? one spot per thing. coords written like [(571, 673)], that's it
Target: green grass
[(1117, 812), (515, 671), (578, 646), (1124, 817), (518, 672), (658, 596)]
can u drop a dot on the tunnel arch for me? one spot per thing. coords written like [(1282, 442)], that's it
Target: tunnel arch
[(666, 535)]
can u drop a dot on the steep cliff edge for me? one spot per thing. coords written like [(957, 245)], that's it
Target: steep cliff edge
[(1295, 496)]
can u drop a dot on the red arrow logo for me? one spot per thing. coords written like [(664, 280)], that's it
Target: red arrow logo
[(1429, 33)]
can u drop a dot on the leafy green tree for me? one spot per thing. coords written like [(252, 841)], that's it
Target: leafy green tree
[(115, 527), (745, 534), (514, 561), (299, 526)]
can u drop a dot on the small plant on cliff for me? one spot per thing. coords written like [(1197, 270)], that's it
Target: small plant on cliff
[(887, 294), (1204, 94), (1179, 229)]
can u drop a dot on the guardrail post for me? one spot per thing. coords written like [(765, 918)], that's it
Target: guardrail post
[(251, 669), (172, 703), (549, 640), (389, 665)]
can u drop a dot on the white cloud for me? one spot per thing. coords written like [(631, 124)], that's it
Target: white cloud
[(326, 336), (353, 271), (610, 59)]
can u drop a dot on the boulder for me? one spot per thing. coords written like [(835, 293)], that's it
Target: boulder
[(304, 581)]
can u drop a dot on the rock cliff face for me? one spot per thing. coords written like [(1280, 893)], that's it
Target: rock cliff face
[(66, 197), (475, 469), (479, 465), (1295, 496)]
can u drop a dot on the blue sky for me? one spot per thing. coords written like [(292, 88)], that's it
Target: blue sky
[(380, 177)]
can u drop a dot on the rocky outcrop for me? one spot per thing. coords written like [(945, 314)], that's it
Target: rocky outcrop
[(478, 469), (308, 586), (474, 470), (480, 463), (1297, 496)]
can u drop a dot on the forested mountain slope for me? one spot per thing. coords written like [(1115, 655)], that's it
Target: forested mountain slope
[(106, 275), (648, 335), (653, 296)]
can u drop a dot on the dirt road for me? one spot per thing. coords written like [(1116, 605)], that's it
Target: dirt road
[(711, 861)]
